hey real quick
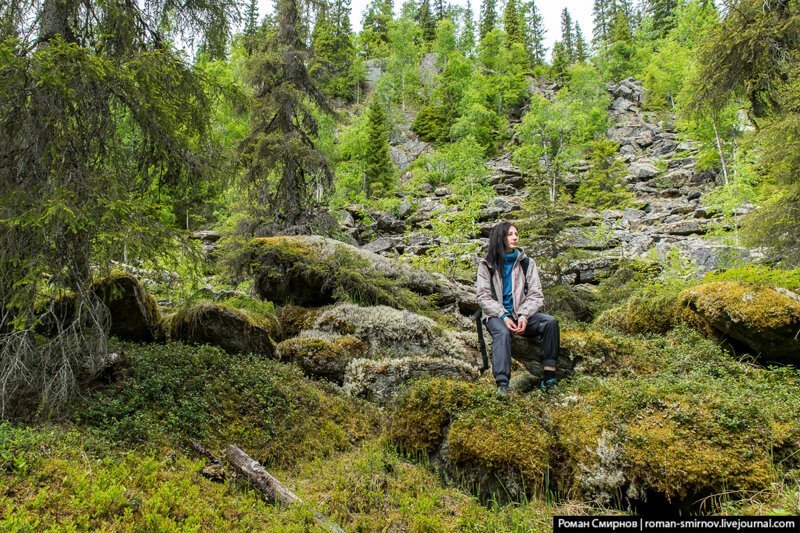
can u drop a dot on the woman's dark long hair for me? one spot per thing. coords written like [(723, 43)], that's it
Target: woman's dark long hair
[(497, 245)]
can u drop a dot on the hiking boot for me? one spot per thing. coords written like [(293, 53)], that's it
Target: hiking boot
[(548, 384), (503, 391)]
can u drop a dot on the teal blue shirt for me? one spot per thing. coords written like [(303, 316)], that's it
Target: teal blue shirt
[(508, 268)]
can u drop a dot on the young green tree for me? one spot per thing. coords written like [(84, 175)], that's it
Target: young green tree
[(378, 164), (282, 140), (488, 17), (402, 70), (602, 186), (103, 122)]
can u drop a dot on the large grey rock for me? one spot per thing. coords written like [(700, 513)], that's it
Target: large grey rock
[(382, 381), (643, 170), (313, 270)]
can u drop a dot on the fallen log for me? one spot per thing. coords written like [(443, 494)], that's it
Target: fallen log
[(268, 485)]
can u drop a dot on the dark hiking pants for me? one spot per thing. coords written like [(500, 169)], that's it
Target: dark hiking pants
[(539, 324)]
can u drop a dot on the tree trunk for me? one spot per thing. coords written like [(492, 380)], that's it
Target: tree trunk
[(266, 483)]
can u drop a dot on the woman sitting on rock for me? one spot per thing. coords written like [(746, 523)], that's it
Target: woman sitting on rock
[(510, 296)]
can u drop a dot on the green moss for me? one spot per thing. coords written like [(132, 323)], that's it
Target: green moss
[(761, 308), (421, 417), (503, 437), (294, 319), (174, 392), (647, 313), (309, 273), (712, 429)]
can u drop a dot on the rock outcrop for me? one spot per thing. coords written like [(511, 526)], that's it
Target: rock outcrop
[(766, 321)]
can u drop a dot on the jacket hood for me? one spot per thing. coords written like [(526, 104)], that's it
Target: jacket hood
[(520, 256)]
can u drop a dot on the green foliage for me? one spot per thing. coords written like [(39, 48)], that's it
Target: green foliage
[(175, 392), (602, 185), (333, 63), (552, 134), (378, 165), (374, 37), (281, 143), (402, 68)]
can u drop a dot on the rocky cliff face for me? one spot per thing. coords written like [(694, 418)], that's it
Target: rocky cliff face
[(667, 216)]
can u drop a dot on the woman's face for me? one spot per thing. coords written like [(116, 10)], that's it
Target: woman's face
[(511, 239)]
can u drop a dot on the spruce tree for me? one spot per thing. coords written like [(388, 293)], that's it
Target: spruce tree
[(250, 25), (101, 120), (282, 138), (581, 51), (536, 33), (333, 53), (427, 23), (513, 24), (466, 37), (603, 21), (378, 169), (559, 68), (488, 17), (567, 36), (663, 14), (440, 8), (375, 27)]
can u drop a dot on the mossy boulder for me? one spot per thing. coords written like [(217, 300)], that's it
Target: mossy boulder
[(293, 319), (380, 381), (498, 448), (390, 333), (594, 352), (134, 313), (668, 438), (314, 271), (655, 314), (762, 318), (325, 358), (233, 330)]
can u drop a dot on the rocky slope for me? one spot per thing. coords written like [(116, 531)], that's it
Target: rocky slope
[(668, 213)]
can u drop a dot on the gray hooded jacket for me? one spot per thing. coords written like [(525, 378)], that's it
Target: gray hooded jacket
[(524, 304)]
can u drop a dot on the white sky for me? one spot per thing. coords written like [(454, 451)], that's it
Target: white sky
[(581, 11)]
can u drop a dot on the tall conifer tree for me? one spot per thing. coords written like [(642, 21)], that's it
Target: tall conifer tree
[(535, 33), (581, 50), (426, 21), (488, 17), (284, 127), (602, 13), (513, 23), (375, 27), (378, 169), (567, 35)]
